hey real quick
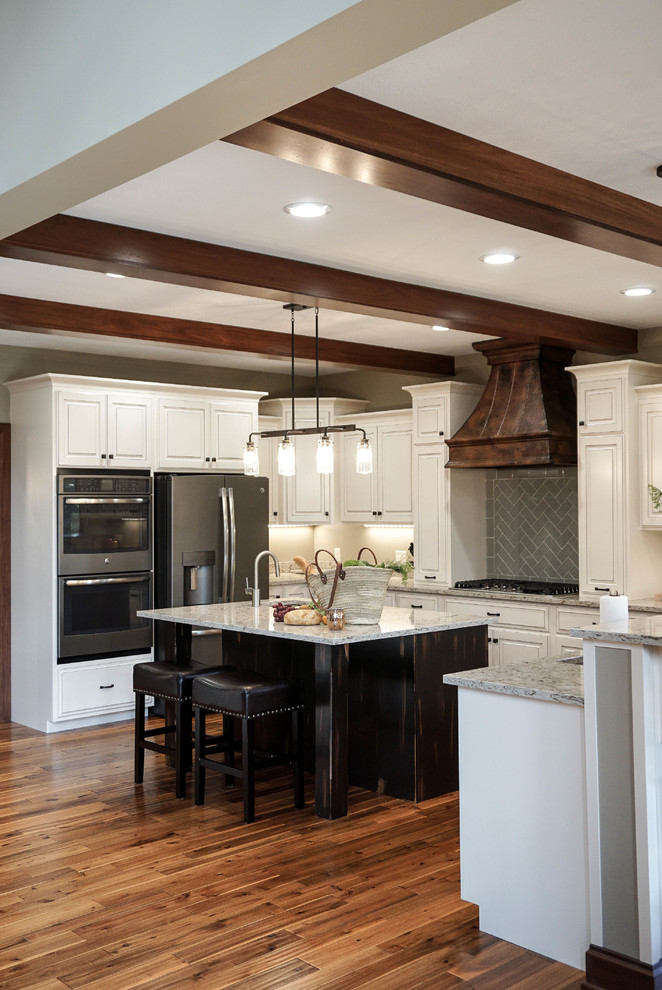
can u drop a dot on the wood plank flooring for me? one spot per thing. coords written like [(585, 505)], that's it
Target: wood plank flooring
[(109, 886)]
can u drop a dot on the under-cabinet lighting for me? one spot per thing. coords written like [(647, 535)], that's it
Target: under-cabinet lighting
[(440, 328), (115, 275)]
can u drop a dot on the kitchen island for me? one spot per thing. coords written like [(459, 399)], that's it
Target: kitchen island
[(378, 713)]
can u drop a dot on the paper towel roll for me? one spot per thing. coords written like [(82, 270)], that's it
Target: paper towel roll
[(613, 608)]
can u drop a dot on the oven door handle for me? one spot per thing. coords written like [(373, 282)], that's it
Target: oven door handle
[(79, 582), (108, 500), (225, 513)]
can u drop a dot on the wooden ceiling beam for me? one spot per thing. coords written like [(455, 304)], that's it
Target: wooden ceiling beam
[(90, 245), (348, 135), (19, 313)]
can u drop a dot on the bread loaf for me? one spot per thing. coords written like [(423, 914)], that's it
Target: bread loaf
[(302, 617), (301, 562)]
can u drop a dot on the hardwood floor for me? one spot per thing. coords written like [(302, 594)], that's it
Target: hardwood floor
[(109, 886)]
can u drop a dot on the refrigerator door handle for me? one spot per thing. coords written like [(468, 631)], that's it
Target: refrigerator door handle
[(223, 494), (233, 545)]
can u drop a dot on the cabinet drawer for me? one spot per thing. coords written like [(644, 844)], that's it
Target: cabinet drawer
[(519, 614), (284, 591), (571, 618), (91, 688), (406, 599)]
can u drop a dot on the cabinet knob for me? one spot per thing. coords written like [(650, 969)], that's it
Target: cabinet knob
[(275, 513), (441, 433), (103, 457), (495, 640), (374, 512), (379, 513), (207, 459), (213, 460), (581, 422), (110, 457), (326, 513)]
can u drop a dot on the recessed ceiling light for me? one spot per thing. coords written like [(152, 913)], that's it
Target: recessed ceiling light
[(499, 258), (441, 329), (638, 290), (115, 275), (307, 209)]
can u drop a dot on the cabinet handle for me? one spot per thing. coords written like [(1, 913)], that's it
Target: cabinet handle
[(379, 513), (104, 687), (489, 639), (417, 606), (595, 588), (374, 512), (494, 613), (103, 457), (207, 459), (581, 422), (430, 577), (213, 460), (495, 640), (110, 457)]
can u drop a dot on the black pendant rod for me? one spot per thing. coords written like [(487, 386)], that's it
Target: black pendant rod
[(292, 370), (317, 367)]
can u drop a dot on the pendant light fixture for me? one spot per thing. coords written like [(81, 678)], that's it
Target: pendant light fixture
[(286, 450)]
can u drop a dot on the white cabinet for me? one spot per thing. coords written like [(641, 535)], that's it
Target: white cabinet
[(95, 687), (517, 630), (568, 617), (267, 451), (650, 449), (308, 498), (614, 552), (385, 496), (199, 435), (408, 599), (104, 429), (449, 504), (601, 515)]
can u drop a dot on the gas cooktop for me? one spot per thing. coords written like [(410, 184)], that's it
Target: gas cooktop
[(515, 586)]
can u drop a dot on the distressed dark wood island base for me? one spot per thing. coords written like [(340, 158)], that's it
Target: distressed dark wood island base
[(378, 713)]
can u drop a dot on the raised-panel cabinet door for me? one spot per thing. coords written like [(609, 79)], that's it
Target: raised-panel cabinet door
[(81, 429), (516, 645), (651, 462), (601, 515), (309, 493), (600, 405), (230, 428), (183, 434), (430, 418), (395, 475), (358, 492), (130, 430), (430, 519)]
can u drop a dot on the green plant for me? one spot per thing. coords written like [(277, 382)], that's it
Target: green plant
[(656, 496), (401, 567)]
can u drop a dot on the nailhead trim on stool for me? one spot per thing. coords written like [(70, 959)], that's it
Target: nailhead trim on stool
[(173, 682), (247, 695)]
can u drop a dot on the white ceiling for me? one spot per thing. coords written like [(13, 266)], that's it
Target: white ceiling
[(576, 86)]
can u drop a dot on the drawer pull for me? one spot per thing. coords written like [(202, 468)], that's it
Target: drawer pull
[(417, 606), (600, 589), (430, 577), (494, 613), (104, 687)]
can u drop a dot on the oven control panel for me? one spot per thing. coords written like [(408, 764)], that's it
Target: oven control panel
[(104, 484)]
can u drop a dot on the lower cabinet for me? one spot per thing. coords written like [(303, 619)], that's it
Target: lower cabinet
[(408, 599), (516, 645), (95, 687), (568, 618)]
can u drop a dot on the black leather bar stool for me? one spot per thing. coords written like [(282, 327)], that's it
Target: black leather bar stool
[(246, 695), (173, 682)]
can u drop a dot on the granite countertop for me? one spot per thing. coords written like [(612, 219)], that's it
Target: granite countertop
[(545, 680), (642, 605), (240, 617), (641, 630)]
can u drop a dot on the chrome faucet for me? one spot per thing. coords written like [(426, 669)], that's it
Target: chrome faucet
[(255, 591)]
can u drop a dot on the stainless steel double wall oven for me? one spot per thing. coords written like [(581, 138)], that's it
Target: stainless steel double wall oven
[(104, 563)]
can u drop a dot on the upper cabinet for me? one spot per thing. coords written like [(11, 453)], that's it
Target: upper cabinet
[(108, 423), (200, 435), (104, 429), (615, 460), (308, 498), (385, 496)]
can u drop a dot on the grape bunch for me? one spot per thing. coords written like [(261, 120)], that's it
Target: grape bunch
[(280, 608)]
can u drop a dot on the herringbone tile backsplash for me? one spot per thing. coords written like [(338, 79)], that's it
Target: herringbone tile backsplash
[(532, 524)]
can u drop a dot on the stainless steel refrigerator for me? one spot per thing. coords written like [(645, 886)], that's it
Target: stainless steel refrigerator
[(208, 529)]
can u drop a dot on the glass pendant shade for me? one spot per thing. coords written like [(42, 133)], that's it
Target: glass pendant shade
[(363, 457), (251, 459), (286, 457), (324, 455)]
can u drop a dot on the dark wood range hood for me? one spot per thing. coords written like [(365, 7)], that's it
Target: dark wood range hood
[(527, 415)]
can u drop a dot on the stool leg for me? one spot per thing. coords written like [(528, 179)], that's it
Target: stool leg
[(248, 760), (297, 739), (138, 732), (182, 739), (199, 753), (228, 732)]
